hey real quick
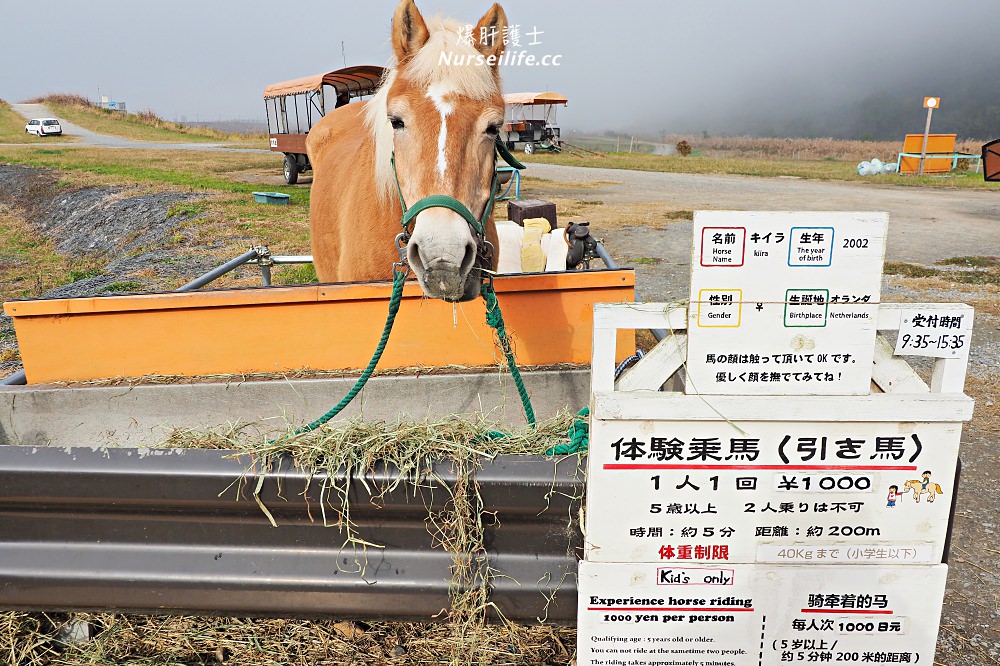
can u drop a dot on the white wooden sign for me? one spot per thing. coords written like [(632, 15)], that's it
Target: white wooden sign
[(784, 303), (719, 492), (935, 332), (757, 615)]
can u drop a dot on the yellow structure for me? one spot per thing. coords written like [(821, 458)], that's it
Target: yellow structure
[(327, 326), (936, 143)]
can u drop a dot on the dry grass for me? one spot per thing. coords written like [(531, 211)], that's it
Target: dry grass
[(986, 414), (603, 216), (12, 128), (967, 270), (305, 373), (805, 149), (545, 183), (464, 637), (747, 147), (412, 450), (29, 264), (142, 126), (27, 639), (819, 159)]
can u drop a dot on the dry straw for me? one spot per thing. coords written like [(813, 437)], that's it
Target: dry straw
[(470, 631)]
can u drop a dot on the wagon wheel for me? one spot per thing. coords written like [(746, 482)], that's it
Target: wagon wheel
[(529, 148), (291, 170)]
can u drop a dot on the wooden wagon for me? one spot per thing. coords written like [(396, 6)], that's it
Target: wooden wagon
[(293, 107)]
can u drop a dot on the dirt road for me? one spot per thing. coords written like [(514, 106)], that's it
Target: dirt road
[(925, 224)]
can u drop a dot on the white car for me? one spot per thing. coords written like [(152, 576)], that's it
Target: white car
[(43, 127)]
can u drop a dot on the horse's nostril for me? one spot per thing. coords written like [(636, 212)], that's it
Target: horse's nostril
[(413, 256), (470, 257)]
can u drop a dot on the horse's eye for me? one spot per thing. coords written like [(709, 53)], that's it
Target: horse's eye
[(493, 129), (396, 122)]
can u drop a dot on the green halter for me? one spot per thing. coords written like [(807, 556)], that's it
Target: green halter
[(453, 204)]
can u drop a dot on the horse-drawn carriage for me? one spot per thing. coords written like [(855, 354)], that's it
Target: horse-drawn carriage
[(293, 107), (530, 119)]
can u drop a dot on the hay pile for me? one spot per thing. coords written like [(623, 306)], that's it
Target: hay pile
[(30, 640), (465, 636)]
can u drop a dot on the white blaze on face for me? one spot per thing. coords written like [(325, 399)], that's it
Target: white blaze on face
[(436, 94)]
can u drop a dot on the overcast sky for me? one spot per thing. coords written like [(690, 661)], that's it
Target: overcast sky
[(673, 65)]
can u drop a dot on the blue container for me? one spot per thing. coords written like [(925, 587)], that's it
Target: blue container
[(276, 198)]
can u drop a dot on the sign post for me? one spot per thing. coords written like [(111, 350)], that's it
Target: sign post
[(930, 103), (792, 505)]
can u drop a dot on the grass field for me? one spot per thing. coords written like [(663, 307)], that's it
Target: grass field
[(142, 126), (765, 166), (227, 218), (12, 128)]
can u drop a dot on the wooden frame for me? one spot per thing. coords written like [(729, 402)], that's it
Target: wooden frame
[(636, 395)]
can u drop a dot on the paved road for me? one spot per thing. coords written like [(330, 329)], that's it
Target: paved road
[(89, 138)]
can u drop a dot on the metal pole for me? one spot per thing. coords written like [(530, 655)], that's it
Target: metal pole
[(923, 148), (20, 378), (16, 379), (220, 271), (292, 259), (602, 252)]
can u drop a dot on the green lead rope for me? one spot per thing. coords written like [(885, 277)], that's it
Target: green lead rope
[(579, 436), (495, 319), (398, 279)]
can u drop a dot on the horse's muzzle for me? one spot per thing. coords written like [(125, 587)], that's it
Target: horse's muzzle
[(449, 284), (443, 262)]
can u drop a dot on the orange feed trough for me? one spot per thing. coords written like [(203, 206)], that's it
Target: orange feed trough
[(328, 326)]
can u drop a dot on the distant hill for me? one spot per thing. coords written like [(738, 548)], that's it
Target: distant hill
[(231, 126), (970, 107)]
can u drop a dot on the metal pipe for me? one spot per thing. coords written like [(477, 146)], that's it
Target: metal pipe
[(287, 259), (220, 271), (602, 252), (605, 257), (19, 378)]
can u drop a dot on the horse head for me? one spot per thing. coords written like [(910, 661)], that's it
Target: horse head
[(441, 111)]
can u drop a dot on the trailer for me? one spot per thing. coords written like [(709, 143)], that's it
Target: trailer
[(293, 107), (530, 119)]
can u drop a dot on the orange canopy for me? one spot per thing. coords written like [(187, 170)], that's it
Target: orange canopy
[(533, 98), (358, 80)]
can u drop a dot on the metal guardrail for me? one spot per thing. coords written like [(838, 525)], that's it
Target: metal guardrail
[(168, 531)]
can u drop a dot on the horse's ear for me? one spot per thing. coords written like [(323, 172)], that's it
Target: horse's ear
[(409, 32), (490, 34)]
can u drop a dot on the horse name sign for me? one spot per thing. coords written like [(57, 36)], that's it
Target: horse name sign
[(784, 303)]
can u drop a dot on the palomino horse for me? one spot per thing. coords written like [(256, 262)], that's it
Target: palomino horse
[(921, 486), (429, 130)]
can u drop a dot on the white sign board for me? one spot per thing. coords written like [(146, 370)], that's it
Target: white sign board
[(718, 492), (939, 333), (757, 615), (784, 303)]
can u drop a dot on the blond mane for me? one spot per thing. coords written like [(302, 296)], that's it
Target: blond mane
[(428, 67)]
